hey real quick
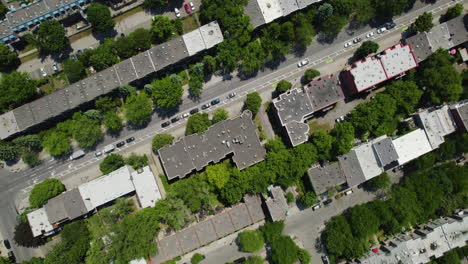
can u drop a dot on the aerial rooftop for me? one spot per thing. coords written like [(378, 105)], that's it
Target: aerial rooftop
[(276, 203), (437, 123), (296, 105), (323, 178), (235, 136), (459, 112), (103, 82), (373, 70), (411, 145)]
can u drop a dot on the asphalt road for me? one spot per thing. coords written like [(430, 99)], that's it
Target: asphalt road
[(318, 53)]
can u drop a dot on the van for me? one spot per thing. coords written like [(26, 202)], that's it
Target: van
[(109, 148), (77, 154)]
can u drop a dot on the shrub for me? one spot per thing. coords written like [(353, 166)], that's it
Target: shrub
[(251, 241), (197, 258), (44, 191)]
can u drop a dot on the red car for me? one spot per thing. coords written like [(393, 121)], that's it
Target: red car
[(187, 8)]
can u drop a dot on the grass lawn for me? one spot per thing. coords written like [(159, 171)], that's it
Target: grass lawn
[(190, 23), (80, 35), (127, 14), (314, 126)]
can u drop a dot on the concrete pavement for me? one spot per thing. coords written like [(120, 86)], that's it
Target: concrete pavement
[(321, 55)]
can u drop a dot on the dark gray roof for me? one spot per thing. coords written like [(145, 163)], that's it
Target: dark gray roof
[(420, 45), (126, 71), (352, 169), (386, 152), (66, 206), (194, 152), (324, 91), (24, 116), (168, 53), (252, 10), (277, 204), (298, 132), (458, 29), (323, 178), (143, 64)]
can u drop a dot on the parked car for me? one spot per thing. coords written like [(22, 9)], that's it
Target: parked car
[(130, 139), (43, 72), (109, 148), (54, 67), (381, 30), (175, 119), (370, 34), (390, 25), (7, 244), (177, 12), (303, 63), (11, 256), (231, 95), (316, 207), (348, 44), (192, 6), (357, 40), (73, 57), (460, 160), (325, 260), (98, 154), (120, 144), (165, 124), (215, 101), (185, 115), (348, 192), (327, 202), (194, 111), (187, 8), (77, 154), (205, 106)]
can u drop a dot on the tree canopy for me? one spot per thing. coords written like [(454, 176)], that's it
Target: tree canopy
[(251, 241), (138, 109), (454, 11), (253, 102), (162, 29), (74, 69), (161, 140), (8, 58), (218, 174), (283, 86), (56, 143), (219, 114), (111, 163), (166, 93), (310, 74), (149, 4), (42, 192), (50, 38), (344, 138), (423, 22), (366, 48), (100, 17), (284, 250), (17, 88), (86, 131), (197, 123)]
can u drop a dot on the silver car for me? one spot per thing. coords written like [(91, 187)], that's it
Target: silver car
[(303, 63)]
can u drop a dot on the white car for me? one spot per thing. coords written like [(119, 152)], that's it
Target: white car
[(370, 34), (54, 67), (381, 30), (185, 115), (98, 154), (316, 207), (303, 63), (177, 12), (192, 6), (43, 72), (348, 44)]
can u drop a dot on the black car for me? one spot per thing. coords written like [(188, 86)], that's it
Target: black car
[(7, 243), (165, 124), (11, 256), (130, 139), (327, 202), (325, 259), (390, 25), (120, 144), (194, 111), (175, 119), (240, 260), (215, 101), (205, 106)]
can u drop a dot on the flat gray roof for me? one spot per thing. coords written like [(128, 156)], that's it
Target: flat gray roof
[(439, 37), (460, 112), (351, 168), (104, 81), (194, 42), (437, 123), (194, 152), (296, 105), (458, 29), (207, 231), (288, 6), (323, 178), (386, 152), (276, 203), (253, 11), (66, 206), (420, 45)]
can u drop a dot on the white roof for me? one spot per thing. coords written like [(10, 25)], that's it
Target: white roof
[(411, 146), (271, 9), (138, 261), (106, 188), (39, 222), (146, 188), (211, 34), (456, 232), (437, 124), (194, 42), (367, 73), (368, 160), (398, 59)]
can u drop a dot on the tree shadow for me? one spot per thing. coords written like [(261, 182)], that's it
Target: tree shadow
[(323, 38), (101, 36)]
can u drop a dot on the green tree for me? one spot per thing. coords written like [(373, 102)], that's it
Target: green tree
[(308, 199), (34, 260), (197, 123), (310, 74), (87, 132), (324, 144), (324, 12), (141, 38), (450, 257), (363, 221), (31, 142), (334, 24), (423, 22), (339, 241), (407, 95), (389, 8), (289, 197), (252, 58), (229, 53), (74, 69), (50, 37), (454, 11), (125, 91), (113, 122), (210, 65), (56, 143), (254, 260), (138, 109), (304, 256), (272, 230), (30, 158), (366, 48), (17, 88), (99, 16), (380, 182), (111, 163), (107, 103), (197, 258), (103, 56), (344, 138), (218, 175), (137, 162), (253, 102), (195, 84), (364, 11), (8, 58), (3, 10), (162, 29), (175, 212), (94, 114), (8, 152), (125, 47), (276, 40), (283, 86), (42, 192), (161, 140), (166, 93), (284, 251), (251, 241), (304, 31), (219, 114), (149, 4), (23, 236)]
